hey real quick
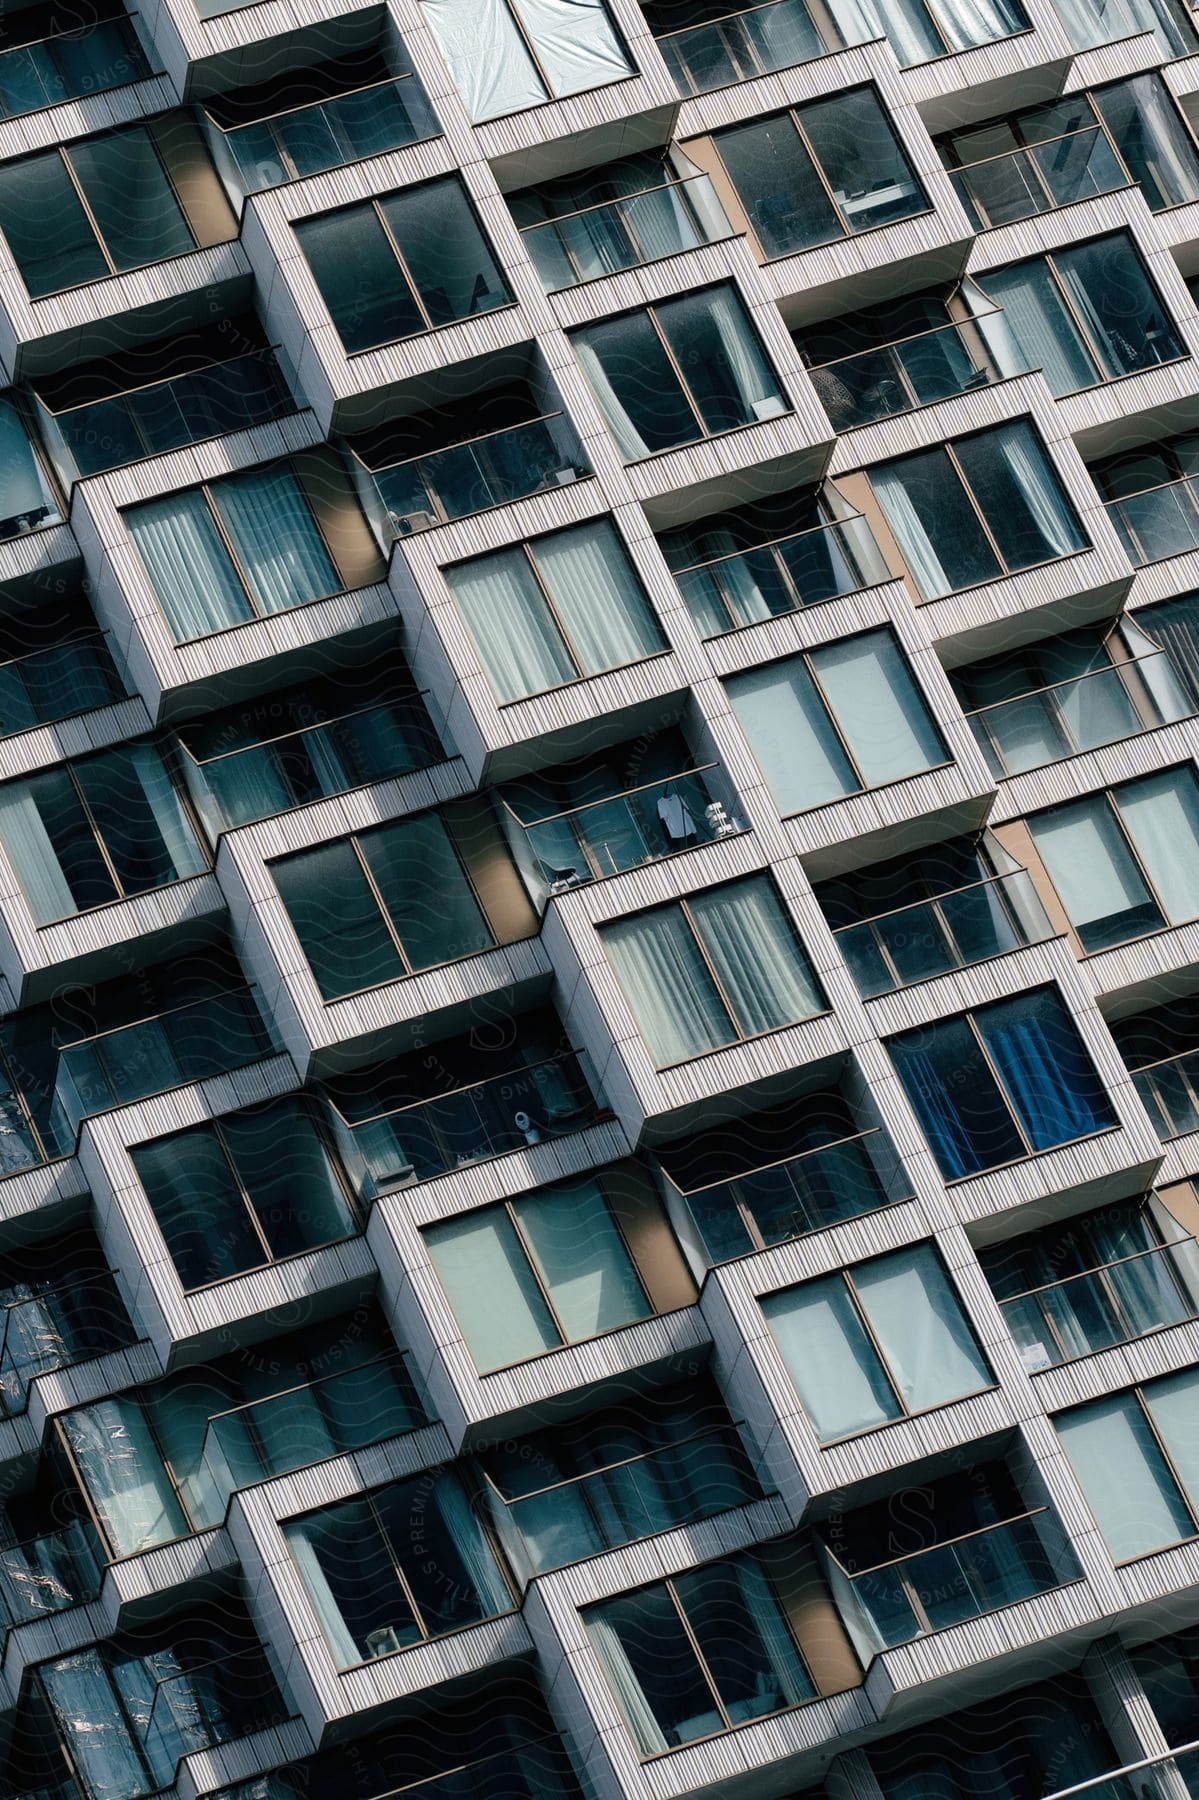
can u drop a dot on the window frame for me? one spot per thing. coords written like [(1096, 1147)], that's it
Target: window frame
[(1136, 1392), (135, 49), (551, 98)]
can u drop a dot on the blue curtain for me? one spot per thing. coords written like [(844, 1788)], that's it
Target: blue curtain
[(1045, 1070), (948, 1135)]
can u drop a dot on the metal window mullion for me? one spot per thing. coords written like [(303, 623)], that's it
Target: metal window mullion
[(377, 897), (85, 203), (972, 1027), (226, 538), (863, 1317), (1113, 805), (1163, 1450), (548, 598), (398, 1568), (417, 297), (697, 935), (68, 769), (950, 449), (795, 114), (243, 1191), (697, 1652), (526, 1246), (830, 714), (651, 313)]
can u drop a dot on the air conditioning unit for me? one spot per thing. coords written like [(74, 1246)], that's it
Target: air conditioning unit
[(406, 523)]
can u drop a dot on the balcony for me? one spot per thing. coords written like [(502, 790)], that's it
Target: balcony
[(536, 1769), (473, 1123), (1114, 1303), (1158, 521), (315, 135), (54, 1327), (113, 1068), (740, 45), (197, 1708), (558, 851), (617, 234), (58, 680), (306, 1424), (996, 1565), (786, 1199), (895, 378), (782, 576), (492, 469), (931, 937), (107, 433), (1015, 184), (1081, 713), (49, 1573), (1170, 1092), (1165, 1777)]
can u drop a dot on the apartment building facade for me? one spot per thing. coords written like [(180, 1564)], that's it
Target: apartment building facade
[(599, 899)]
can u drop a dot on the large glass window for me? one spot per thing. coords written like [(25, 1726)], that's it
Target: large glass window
[(1088, 25), (233, 550), (836, 721), (270, 1184), (27, 496), (920, 30), (91, 209), (977, 508), (1001, 1082), (1083, 315), (396, 1567), (876, 1343), (361, 906), (506, 55), (553, 610), (86, 833), (1148, 1435), (54, 663), (1152, 139), (1125, 862), (677, 372), (546, 1269), (697, 1655), (57, 52), (820, 172), (403, 264), (712, 969)]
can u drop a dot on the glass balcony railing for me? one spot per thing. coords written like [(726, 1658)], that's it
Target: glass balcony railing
[(755, 41), (490, 470), (472, 1124), (306, 1424), (894, 378), (931, 937), (1159, 521), (641, 825), (214, 1703), (1170, 1091), (1112, 1304), (164, 415), (55, 1327), (1015, 184), (624, 233), (322, 134), (49, 1573), (996, 1565), (1167, 1777), (208, 1037), (747, 586), (788, 1198), (1081, 713), (537, 1770), (57, 681)]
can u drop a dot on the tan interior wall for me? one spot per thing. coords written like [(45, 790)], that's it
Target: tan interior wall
[(330, 492), (831, 1658), (631, 1194), (195, 181), (472, 825)]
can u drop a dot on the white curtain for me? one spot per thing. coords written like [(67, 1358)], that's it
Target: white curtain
[(638, 1712), (470, 1541), (575, 43), (875, 702), (755, 384), (1029, 469), (515, 635), (967, 22), (344, 1650), (598, 597), (757, 956), (904, 23), (33, 856), (491, 66), (1088, 862), (790, 733), (931, 1351), (829, 1358), (188, 565), (276, 539), (1143, 1509), (667, 985), (1037, 325), (918, 548), (619, 421), (1161, 816)]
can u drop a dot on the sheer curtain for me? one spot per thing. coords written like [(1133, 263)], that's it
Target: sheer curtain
[(1036, 326), (1029, 469), (620, 422), (967, 22), (622, 1678), (1141, 1511), (930, 1349), (518, 642), (188, 565), (276, 539), (756, 385), (1161, 816), (878, 707), (668, 986), (904, 23), (791, 735), (598, 597), (470, 1541), (830, 1359), (33, 855), (491, 1289), (1088, 863), (756, 954), (919, 551), (1046, 1071), (344, 1650)]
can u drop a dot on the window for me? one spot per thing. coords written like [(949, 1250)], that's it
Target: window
[(707, 47), (399, 1566), (696, 1655), (1148, 1434), (60, 1306), (1148, 131), (54, 663), (271, 1189), (876, 1343), (513, 54), (836, 721), (710, 970), (677, 372), (1084, 315), (103, 829), (27, 496), (1174, 626), (61, 58), (1152, 497), (820, 172), (920, 30), (976, 508), (233, 550), (398, 266), (1090, 23), (89, 210), (1125, 862), (551, 611), (624, 1472), (297, 744), (360, 906), (1000, 1083), (537, 1272), (1168, 1669)]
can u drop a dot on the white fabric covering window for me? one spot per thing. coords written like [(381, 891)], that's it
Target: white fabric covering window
[(1141, 1512), (509, 54)]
